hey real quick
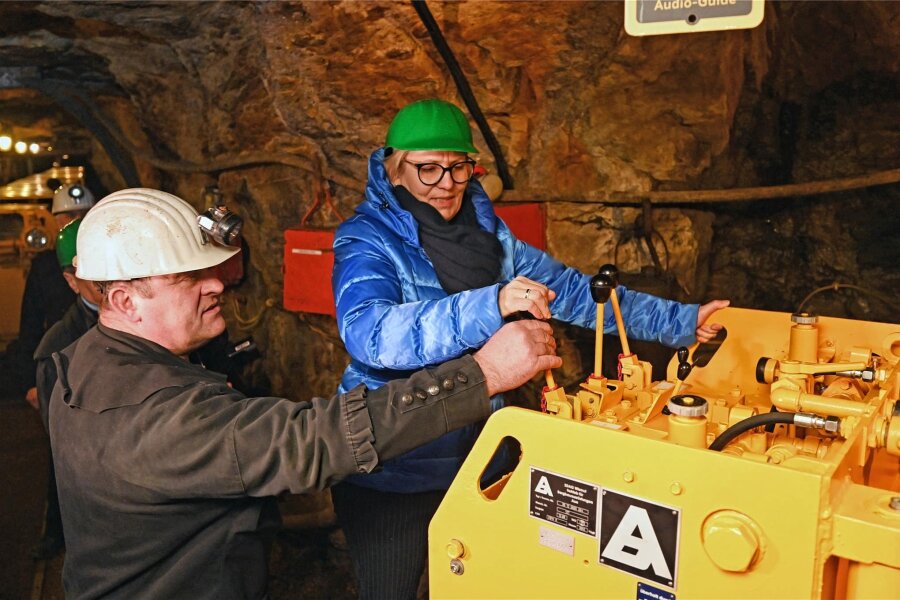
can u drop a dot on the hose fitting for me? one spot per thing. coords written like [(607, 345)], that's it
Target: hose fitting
[(811, 421)]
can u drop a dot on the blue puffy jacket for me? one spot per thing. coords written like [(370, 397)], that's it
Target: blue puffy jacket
[(395, 317)]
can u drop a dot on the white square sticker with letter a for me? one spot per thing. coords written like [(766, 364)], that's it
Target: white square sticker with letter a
[(639, 537)]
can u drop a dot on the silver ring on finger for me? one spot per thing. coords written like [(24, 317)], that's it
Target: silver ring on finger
[(527, 293)]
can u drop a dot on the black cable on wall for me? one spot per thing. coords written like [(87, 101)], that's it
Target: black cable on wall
[(462, 85)]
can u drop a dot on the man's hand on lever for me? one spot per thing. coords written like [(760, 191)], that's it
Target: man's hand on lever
[(516, 353)]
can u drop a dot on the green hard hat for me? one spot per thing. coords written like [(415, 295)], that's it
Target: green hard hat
[(65, 243), (430, 125)]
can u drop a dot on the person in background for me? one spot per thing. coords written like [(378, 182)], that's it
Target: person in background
[(78, 319), (426, 272), (47, 296), (167, 476)]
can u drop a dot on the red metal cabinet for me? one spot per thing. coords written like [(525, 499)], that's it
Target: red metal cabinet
[(527, 221), (308, 262)]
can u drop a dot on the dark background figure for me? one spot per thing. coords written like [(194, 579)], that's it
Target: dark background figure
[(47, 296), (77, 320), (46, 299)]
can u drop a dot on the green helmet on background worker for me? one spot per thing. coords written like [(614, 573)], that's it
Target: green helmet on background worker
[(65, 243), (430, 125)]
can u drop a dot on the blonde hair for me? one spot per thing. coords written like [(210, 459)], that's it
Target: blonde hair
[(393, 164)]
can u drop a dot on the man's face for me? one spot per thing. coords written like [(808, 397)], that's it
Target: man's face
[(64, 218), (85, 289), (88, 291), (182, 311), (446, 195)]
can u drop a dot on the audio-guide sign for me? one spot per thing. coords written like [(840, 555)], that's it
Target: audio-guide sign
[(656, 17)]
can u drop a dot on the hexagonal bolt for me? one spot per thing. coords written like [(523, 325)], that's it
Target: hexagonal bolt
[(456, 567)]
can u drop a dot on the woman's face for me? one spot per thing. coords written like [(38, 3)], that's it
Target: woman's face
[(446, 195)]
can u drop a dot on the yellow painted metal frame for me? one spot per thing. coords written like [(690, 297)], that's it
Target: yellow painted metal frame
[(773, 516)]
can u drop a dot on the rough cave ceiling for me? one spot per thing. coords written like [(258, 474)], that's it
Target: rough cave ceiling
[(169, 92)]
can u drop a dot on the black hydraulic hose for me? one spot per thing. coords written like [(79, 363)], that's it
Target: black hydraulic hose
[(771, 426), (462, 85), (750, 423)]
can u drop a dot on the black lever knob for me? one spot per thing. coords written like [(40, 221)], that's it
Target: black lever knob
[(684, 369), (610, 271), (601, 288)]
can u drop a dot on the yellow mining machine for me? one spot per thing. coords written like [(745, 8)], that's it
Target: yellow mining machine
[(764, 466)]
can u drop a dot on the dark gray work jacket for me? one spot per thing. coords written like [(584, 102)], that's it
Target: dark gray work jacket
[(167, 476), (75, 323)]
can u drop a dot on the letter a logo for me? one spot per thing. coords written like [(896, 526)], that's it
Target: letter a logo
[(639, 551), (543, 486)]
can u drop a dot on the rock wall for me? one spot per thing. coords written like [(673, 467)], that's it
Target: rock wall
[(580, 109)]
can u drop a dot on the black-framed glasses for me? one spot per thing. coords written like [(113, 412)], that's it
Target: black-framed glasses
[(433, 173)]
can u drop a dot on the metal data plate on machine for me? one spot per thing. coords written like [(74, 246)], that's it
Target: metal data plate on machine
[(658, 17)]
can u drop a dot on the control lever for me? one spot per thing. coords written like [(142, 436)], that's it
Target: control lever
[(684, 368), (602, 286), (612, 273)]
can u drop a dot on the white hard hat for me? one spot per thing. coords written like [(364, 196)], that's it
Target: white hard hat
[(72, 197), (142, 232)]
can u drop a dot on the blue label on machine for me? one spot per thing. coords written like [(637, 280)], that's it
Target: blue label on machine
[(648, 592), (563, 501), (639, 537)]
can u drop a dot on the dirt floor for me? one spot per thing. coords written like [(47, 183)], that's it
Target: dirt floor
[(309, 560), (23, 456)]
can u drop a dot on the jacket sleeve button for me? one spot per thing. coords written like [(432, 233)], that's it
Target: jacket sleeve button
[(406, 398), (447, 384), (461, 377), (434, 389), (421, 395)]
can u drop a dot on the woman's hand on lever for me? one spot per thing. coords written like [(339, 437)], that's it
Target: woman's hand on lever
[(523, 294), (707, 331)]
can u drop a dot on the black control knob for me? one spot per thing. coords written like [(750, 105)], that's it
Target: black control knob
[(684, 367), (610, 271), (601, 288)]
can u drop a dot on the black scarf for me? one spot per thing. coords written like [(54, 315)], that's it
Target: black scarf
[(465, 257)]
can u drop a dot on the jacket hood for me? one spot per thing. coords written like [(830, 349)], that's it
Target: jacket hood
[(381, 204)]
